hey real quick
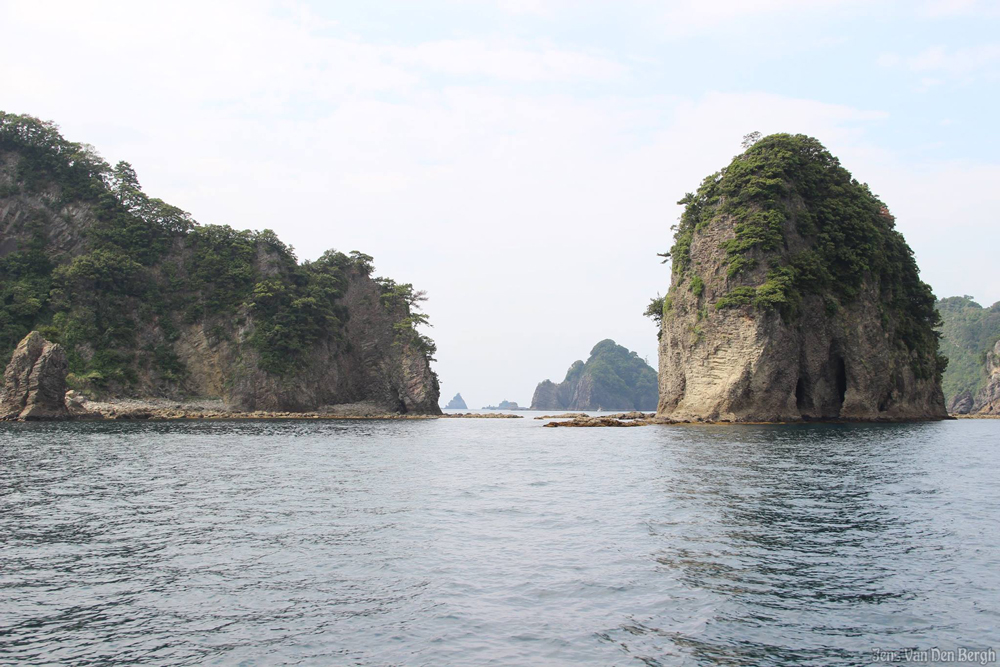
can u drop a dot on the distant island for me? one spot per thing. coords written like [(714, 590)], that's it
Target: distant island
[(457, 403), (612, 378), (504, 405), (969, 337), (794, 297), (144, 302)]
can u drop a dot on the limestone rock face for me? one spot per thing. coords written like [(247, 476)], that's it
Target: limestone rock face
[(34, 383), (961, 404), (988, 398), (759, 323), (371, 364)]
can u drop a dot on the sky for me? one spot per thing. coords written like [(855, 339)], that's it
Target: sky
[(521, 160)]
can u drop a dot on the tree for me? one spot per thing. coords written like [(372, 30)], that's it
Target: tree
[(750, 139), (124, 184)]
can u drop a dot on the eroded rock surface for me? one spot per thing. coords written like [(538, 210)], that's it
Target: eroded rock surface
[(961, 404), (34, 383), (988, 399)]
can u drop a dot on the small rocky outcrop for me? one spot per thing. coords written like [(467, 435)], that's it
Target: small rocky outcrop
[(961, 404), (34, 383), (988, 399), (633, 418), (613, 378), (793, 297), (457, 403)]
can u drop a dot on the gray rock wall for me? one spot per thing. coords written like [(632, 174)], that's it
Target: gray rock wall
[(34, 382), (746, 364)]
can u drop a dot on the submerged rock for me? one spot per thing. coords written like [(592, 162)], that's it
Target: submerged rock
[(34, 383), (793, 297), (611, 420)]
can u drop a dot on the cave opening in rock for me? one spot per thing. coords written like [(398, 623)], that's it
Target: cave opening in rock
[(801, 397), (840, 370)]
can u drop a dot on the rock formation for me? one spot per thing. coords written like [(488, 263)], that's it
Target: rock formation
[(457, 403), (988, 399), (148, 304), (961, 404), (34, 383), (968, 332), (504, 405), (613, 378), (793, 297)]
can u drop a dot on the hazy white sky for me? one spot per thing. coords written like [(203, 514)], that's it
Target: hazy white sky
[(520, 159)]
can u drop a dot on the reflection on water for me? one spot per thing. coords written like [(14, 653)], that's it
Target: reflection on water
[(466, 542)]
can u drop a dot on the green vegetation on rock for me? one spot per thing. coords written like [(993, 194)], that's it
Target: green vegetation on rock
[(139, 270), (613, 378), (790, 184), (968, 331)]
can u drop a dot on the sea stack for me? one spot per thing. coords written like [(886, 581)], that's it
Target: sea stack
[(793, 297), (457, 403), (34, 383)]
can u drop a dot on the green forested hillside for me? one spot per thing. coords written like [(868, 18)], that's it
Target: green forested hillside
[(968, 330), (93, 262), (613, 378)]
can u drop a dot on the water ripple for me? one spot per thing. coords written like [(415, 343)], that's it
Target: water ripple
[(478, 542)]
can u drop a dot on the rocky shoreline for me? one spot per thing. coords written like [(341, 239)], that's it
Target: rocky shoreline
[(155, 409)]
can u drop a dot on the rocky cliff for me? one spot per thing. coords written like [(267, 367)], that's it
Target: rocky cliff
[(987, 401), (793, 297), (968, 333), (613, 378), (34, 382), (148, 303)]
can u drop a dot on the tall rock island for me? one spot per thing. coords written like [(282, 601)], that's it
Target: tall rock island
[(457, 403), (793, 297), (145, 302), (613, 378)]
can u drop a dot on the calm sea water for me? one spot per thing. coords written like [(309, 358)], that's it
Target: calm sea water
[(472, 542)]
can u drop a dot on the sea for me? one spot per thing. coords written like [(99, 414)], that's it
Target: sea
[(498, 542)]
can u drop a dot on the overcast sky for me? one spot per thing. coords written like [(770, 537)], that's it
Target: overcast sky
[(521, 159)]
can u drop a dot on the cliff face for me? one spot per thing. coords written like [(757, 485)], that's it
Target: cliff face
[(147, 303), (792, 297), (368, 362), (968, 331), (987, 400), (613, 378)]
